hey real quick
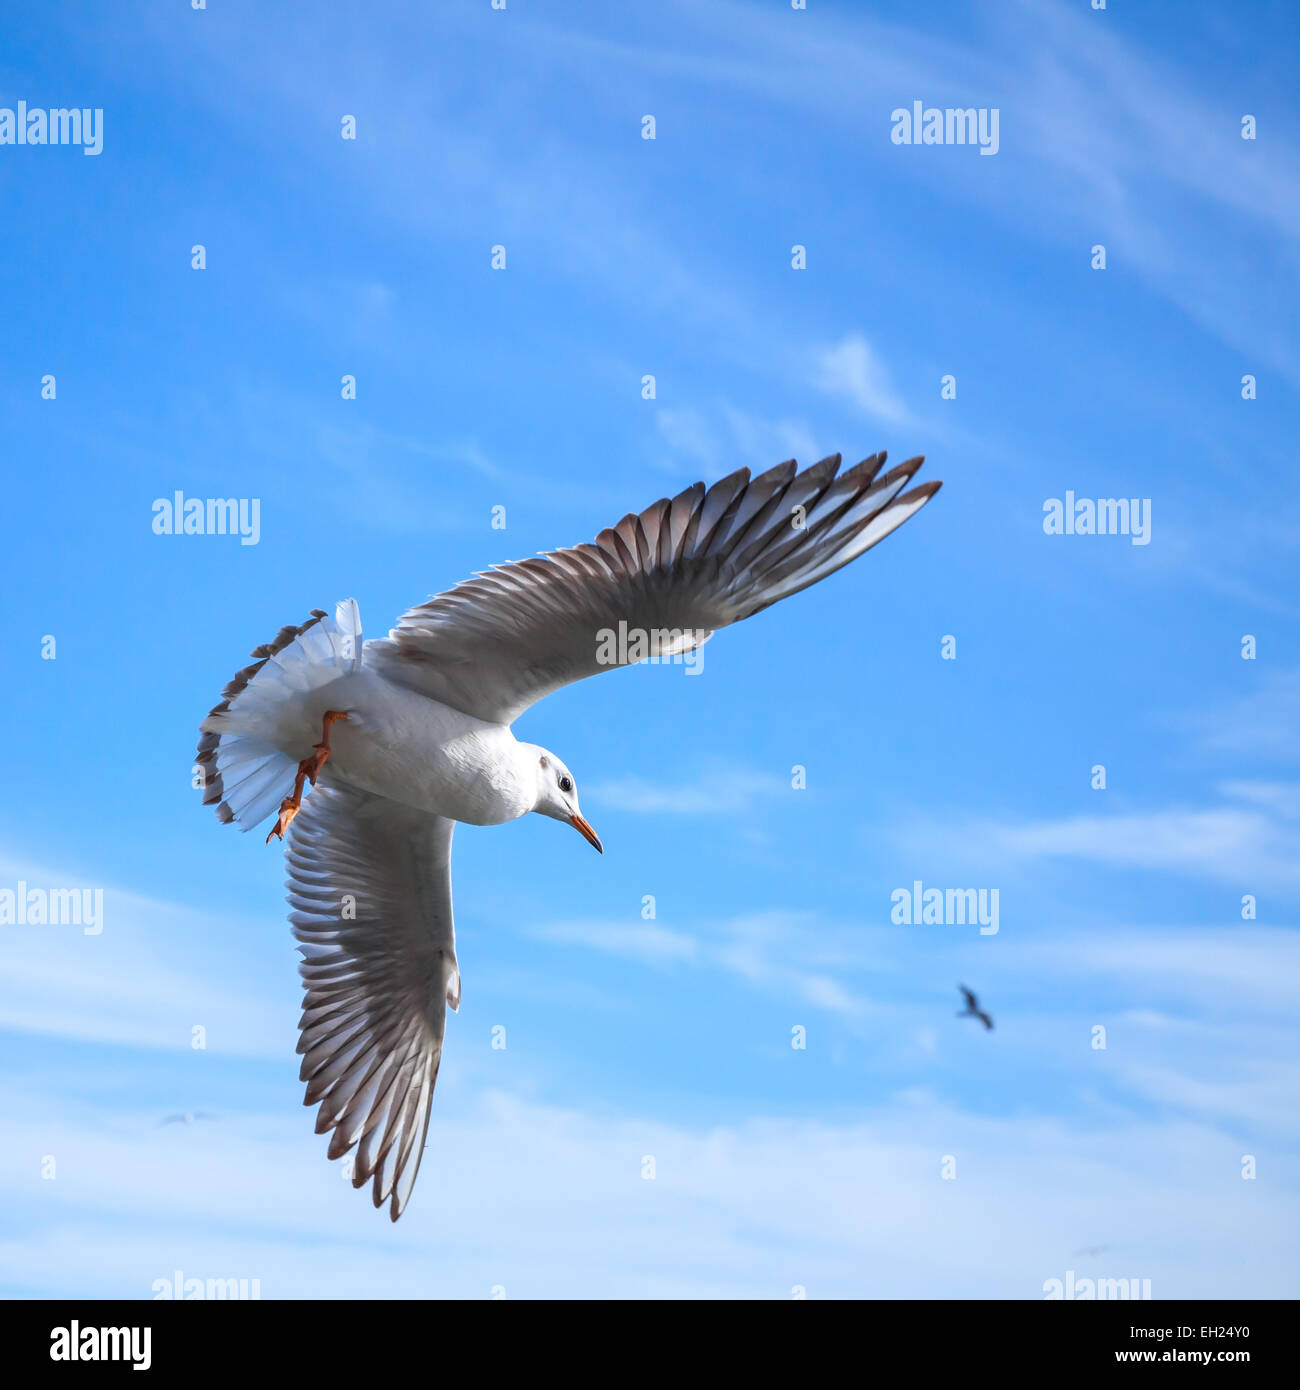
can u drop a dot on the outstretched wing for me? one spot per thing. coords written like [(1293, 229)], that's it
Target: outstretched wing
[(370, 887), (971, 1001), (499, 642)]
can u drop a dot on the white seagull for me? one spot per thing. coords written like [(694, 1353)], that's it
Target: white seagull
[(410, 733)]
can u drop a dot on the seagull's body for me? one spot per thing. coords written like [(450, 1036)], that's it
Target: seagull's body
[(415, 734), (422, 753), (972, 1009)]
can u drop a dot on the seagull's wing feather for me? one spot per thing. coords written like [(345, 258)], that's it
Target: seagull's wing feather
[(370, 887), (499, 642)]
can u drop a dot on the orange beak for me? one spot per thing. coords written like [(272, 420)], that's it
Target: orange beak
[(587, 833)]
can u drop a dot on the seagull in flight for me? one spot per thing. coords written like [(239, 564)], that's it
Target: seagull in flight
[(403, 736), (972, 1009)]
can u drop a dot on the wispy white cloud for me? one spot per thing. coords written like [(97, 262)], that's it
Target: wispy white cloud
[(646, 942), (1260, 724), (719, 791), (718, 441), (851, 1208), (1282, 798), (852, 370), (1248, 838), (761, 442), (1231, 974), (153, 973), (1231, 844), (136, 1202), (793, 955), (1249, 846)]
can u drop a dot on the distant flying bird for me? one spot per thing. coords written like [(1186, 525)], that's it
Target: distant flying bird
[(186, 1119), (972, 1009), (410, 733)]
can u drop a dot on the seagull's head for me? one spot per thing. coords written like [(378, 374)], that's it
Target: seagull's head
[(557, 794)]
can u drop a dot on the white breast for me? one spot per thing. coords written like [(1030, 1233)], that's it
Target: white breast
[(414, 750)]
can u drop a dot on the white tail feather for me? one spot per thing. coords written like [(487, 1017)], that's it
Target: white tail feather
[(247, 774)]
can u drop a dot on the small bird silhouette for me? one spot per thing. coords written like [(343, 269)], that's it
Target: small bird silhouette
[(188, 1118), (972, 1009)]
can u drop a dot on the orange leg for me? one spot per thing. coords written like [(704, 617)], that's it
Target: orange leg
[(308, 770)]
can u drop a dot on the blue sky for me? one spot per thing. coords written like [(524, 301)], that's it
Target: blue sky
[(776, 1168)]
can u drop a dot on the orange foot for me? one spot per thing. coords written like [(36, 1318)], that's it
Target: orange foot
[(308, 770), (312, 766), (289, 808)]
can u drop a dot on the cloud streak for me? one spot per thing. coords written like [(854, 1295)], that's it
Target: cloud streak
[(722, 791), (852, 371), (851, 1208)]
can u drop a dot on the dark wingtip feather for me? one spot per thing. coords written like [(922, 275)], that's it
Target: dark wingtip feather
[(778, 473), (925, 491), (740, 475), (868, 468), (904, 470)]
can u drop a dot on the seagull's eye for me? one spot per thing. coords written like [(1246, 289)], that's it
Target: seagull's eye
[(566, 784)]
